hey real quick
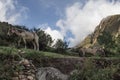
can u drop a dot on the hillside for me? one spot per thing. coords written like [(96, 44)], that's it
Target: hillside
[(18, 64), (106, 35), (110, 24)]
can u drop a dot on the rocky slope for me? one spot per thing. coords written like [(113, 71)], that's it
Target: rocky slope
[(35, 65), (110, 24)]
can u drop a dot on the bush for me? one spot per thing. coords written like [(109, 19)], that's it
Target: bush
[(61, 46), (91, 72)]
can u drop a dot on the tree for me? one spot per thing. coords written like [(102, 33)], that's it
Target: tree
[(5, 40), (61, 46), (45, 40)]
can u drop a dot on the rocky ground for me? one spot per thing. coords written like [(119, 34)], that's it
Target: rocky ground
[(35, 67)]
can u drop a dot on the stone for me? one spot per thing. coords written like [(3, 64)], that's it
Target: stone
[(21, 76), (74, 72), (32, 70), (30, 77), (24, 79), (26, 73), (16, 73), (19, 50), (27, 68), (21, 72), (15, 78), (50, 73), (24, 62), (33, 75)]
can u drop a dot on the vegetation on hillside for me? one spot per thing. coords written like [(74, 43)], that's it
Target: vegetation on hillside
[(110, 44), (10, 57), (100, 69), (93, 69), (61, 46)]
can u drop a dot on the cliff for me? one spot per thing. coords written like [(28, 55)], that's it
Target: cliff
[(110, 25)]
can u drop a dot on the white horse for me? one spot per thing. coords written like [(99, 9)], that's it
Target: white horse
[(25, 36)]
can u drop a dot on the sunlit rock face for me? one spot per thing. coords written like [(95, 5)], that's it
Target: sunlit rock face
[(109, 24)]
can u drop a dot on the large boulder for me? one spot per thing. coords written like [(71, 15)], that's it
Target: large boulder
[(91, 51), (50, 73)]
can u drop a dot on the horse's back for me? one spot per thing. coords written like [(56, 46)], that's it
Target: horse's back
[(28, 35)]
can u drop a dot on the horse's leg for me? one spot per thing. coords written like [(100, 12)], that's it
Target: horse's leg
[(38, 46), (25, 43), (19, 42), (34, 45), (37, 43)]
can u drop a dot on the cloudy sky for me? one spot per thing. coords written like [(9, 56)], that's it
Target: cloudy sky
[(69, 19)]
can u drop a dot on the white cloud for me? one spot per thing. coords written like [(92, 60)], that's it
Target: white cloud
[(82, 20), (55, 34), (11, 11)]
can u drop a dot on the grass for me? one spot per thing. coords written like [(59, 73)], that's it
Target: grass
[(42, 54), (32, 53), (8, 50)]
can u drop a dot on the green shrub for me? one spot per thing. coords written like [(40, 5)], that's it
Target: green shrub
[(91, 72)]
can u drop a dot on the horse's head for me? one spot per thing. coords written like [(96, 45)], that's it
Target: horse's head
[(11, 31)]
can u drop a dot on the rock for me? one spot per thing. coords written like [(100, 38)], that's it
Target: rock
[(74, 72), (15, 78), (21, 76), (25, 62), (91, 51), (24, 79), (20, 73), (32, 71), (50, 73), (16, 74), (30, 78), (33, 75)]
